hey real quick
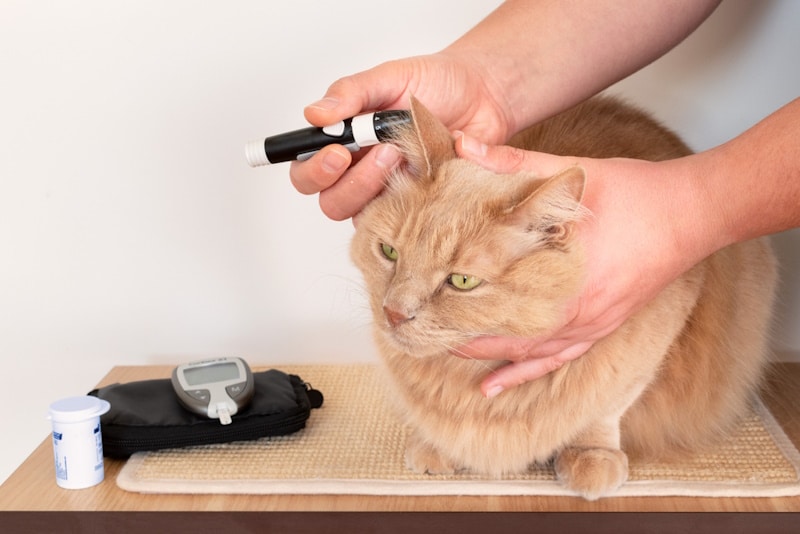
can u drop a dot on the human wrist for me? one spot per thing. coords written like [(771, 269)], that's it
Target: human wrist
[(698, 219), (755, 179), (657, 209)]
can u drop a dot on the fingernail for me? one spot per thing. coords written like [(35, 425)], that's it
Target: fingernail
[(333, 162), (472, 145), (386, 156), (328, 103), (494, 391)]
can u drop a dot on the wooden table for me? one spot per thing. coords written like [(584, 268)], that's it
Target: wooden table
[(32, 488)]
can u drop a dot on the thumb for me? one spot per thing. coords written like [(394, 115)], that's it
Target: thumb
[(519, 372), (505, 159), (382, 87)]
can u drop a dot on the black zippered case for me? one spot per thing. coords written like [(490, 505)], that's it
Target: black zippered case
[(146, 415)]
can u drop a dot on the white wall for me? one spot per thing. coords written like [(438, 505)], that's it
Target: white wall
[(132, 231)]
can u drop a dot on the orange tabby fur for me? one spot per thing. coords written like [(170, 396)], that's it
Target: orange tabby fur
[(674, 377)]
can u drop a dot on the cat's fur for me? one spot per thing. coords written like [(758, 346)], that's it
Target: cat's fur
[(674, 377)]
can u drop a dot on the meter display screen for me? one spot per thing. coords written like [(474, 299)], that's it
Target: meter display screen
[(211, 373)]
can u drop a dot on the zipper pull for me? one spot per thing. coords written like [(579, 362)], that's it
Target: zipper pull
[(315, 396)]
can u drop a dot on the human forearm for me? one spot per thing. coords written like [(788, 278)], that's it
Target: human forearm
[(541, 57), (752, 182)]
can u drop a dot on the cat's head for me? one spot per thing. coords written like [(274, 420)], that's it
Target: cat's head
[(450, 251)]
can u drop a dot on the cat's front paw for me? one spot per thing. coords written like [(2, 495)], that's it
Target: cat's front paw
[(423, 458), (593, 473)]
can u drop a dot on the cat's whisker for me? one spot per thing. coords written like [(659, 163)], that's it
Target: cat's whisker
[(455, 351)]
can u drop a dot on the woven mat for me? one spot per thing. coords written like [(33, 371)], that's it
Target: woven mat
[(354, 445)]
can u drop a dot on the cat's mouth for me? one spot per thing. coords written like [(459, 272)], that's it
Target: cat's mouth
[(418, 345)]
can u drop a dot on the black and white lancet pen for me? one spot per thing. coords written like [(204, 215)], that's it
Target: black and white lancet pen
[(354, 133)]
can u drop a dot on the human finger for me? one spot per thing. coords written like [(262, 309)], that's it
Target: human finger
[(512, 348), (360, 184), (517, 373), (321, 170), (380, 87), (505, 159)]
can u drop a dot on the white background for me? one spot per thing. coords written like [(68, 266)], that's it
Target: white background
[(132, 231)]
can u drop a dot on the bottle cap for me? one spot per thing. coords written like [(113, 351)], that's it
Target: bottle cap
[(76, 409)]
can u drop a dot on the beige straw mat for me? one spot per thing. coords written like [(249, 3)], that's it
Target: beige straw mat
[(354, 445)]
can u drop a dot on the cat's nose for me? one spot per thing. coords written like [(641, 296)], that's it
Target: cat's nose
[(395, 317)]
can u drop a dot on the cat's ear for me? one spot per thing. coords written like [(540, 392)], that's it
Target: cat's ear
[(548, 213), (431, 145)]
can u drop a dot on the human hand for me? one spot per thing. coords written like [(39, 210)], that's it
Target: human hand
[(456, 90), (638, 238)]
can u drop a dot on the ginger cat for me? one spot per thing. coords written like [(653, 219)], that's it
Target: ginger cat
[(451, 251)]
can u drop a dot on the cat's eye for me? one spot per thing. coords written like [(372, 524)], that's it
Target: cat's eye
[(464, 282), (389, 252)]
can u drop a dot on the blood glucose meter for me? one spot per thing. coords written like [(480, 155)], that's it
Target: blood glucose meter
[(216, 389)]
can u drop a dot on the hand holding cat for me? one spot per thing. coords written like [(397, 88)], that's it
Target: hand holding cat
[(636, 244), (651, 222), (485, 82), (457, 91)]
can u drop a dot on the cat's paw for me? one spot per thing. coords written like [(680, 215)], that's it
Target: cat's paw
[(593, 473), (423, 458)]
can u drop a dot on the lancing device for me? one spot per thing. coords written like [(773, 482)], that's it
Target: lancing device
[(354, 133)]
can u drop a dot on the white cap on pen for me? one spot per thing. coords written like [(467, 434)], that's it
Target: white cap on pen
[(255, 154)]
